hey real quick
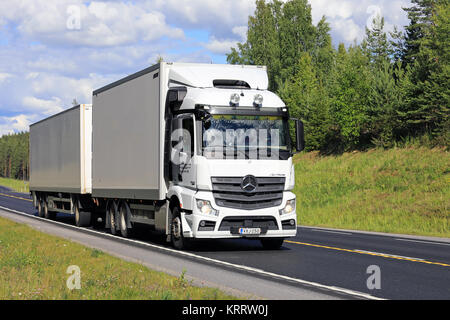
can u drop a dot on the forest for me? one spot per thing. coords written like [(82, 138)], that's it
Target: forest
[(390, 88), (14, 156)]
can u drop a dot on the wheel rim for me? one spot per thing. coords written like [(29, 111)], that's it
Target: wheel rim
[(123, 223), (111, 219), (176, 228), (77, 215)]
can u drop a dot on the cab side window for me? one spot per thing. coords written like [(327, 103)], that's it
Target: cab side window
[(188, 136)]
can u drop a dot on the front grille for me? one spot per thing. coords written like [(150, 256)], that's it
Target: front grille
[(265, 223), (228, 193)]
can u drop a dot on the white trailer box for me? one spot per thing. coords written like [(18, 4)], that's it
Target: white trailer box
[(128, 138), (61, 152)]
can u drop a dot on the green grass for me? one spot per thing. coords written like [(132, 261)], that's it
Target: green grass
[(16, 185), (401, 190), (33, 265)]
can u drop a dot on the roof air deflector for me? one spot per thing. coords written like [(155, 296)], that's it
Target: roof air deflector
[(230, 84)]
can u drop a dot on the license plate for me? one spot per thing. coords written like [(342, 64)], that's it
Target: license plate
[(249, 230)]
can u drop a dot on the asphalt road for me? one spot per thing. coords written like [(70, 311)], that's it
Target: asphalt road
[(409, 267)]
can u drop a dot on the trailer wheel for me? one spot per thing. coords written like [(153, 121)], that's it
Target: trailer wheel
[(112, 212), (48, 214), (40, 208), (272, 244), (82, 218), (179, 242), (124, 216)]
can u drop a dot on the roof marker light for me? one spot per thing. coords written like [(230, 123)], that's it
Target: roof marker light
[(235, 99), (258, 100)]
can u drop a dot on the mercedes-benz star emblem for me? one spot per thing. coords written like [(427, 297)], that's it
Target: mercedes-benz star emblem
[(249, 184)]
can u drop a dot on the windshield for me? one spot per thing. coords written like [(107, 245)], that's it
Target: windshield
[(246, 137)]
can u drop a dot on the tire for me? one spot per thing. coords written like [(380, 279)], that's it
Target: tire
[(48, 214), (123, 218), (179, 242), (272, 244), (40, 208), (112, 210), (82, 218)]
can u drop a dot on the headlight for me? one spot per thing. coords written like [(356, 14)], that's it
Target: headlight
[(205, 207), (289, 208)]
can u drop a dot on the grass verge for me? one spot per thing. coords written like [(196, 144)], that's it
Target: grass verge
[(33, 265), (401, 190), (16, 185)]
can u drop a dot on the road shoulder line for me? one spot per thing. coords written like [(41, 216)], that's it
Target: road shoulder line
[(374, 233)]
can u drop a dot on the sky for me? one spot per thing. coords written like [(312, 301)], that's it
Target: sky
[(55, 51)]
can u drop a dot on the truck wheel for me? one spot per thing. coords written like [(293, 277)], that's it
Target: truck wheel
[(48, 214), (123, 218), (82, 218), (40, 208), (272, 244), (179, 242), (112, 218)]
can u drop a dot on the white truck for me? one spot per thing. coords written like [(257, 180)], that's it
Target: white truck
[(196, 151)]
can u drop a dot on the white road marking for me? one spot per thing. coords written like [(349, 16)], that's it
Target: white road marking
[(421, 241), (329, 231), (219, 262)]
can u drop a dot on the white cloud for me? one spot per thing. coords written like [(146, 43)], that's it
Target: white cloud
[(220, 46), (218, 16), (348, 18), (5, 76), (100, 24), (348, 30), (9, 125), (45, 107), (223, 46), (240, 31)]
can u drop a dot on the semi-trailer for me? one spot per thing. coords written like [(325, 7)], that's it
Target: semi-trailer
[(195, 151)]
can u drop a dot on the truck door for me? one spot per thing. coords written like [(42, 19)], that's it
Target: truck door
[(183, 151)]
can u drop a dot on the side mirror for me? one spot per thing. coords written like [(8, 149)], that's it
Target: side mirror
[(299, 136)]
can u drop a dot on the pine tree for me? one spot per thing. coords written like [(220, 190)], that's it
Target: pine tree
[(376, 45), (349, 97), (307, 100), (420, 16), (426, 107), (278, 33), (262, 46)]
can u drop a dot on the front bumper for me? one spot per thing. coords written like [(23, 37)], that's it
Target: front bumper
[(226, 224)]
